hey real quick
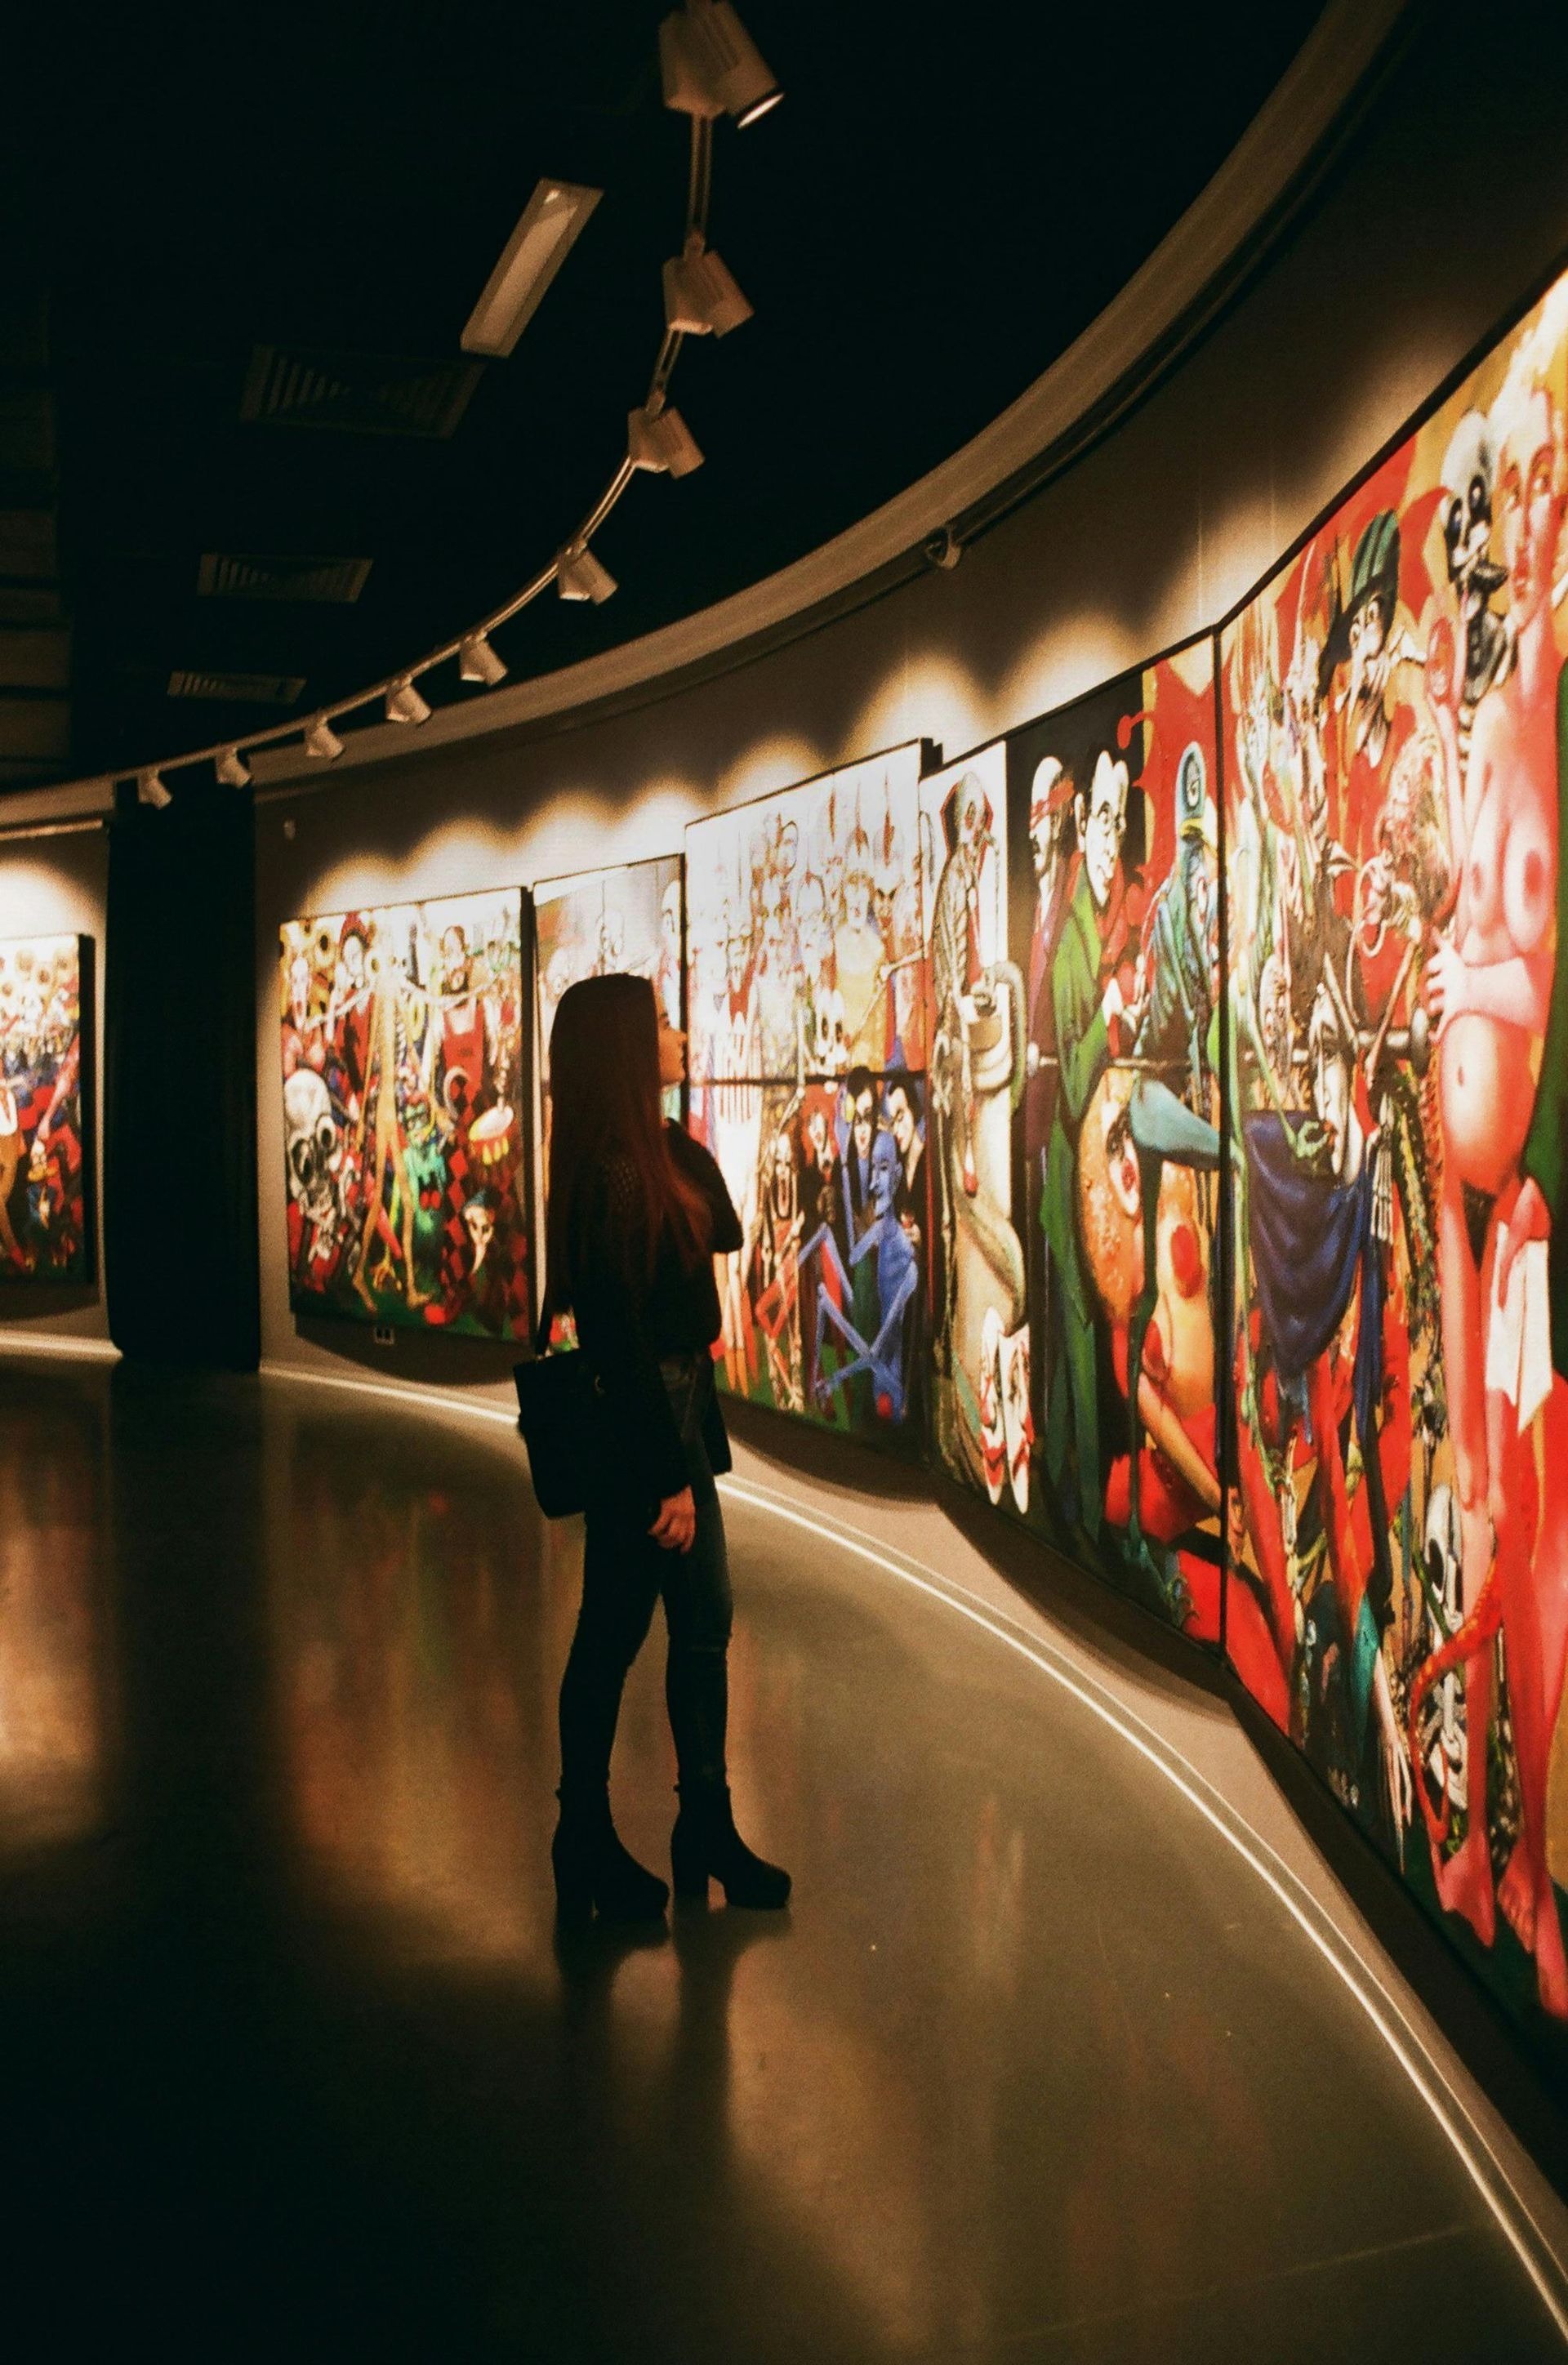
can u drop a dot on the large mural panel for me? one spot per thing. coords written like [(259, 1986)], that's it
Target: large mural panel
[(1114, 867), (807, 1013), (1395, 725), (44, 1232), (403, 1084)]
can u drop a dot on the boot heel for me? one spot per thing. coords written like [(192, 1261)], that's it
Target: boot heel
[(688, 1865)]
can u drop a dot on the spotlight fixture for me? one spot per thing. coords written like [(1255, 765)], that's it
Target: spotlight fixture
[(712, 66), (322, 741), (662, 442), (544, 235), (700, 297), (579, 575), (149, 791), (233, 769), (476, 661), (404, 705)]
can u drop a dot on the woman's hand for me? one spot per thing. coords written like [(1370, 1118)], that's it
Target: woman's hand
[(677, 1524)]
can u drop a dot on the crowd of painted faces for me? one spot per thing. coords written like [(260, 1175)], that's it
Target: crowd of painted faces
[(402, 1140), (807, 1034), (1398, 710), (42, 1213)]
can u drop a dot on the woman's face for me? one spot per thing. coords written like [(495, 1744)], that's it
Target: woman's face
[(672, 1052)]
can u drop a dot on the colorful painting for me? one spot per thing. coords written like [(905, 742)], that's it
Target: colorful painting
[(403, 1081), (44, 1233), (982, 1421), (807, 1013), (627, 921), (1115, 872), (1397, 743)]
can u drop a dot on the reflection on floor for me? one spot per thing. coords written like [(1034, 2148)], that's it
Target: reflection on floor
[(291, 2064)]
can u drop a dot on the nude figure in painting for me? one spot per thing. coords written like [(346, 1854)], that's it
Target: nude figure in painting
[(1489, 986)]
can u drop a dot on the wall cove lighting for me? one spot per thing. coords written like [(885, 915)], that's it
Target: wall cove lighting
[(550, 224)]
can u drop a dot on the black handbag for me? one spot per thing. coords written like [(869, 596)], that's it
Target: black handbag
[(559, 1398)]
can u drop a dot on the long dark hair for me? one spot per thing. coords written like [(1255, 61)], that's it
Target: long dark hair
[(604, 1104)]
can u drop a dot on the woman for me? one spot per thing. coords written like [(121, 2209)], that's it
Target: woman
[(637, 1212)]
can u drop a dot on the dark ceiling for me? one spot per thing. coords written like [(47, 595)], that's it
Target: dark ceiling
[(944, 199)]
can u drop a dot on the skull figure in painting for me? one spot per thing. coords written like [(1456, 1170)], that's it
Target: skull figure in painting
[(43, 1223), (1396, 716), (402, 1082)]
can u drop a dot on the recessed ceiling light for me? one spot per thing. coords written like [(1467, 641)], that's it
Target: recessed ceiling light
[(551, 222)]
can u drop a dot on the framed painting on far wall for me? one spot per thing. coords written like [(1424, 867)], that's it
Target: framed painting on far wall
[(404, 1088), (45, 1228)]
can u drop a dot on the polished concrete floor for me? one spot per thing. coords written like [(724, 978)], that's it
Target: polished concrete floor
[(291, 2066)]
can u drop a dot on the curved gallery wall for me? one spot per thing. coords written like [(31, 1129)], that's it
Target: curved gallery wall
[(1154, 1116), (1122, 1164)]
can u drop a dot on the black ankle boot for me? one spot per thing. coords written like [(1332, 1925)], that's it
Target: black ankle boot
[(594, 1872), (705, 1845)]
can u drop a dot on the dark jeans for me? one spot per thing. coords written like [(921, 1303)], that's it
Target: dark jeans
[(625, 1572)]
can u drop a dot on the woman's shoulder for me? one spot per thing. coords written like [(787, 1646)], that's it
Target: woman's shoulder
[(687, 1152)]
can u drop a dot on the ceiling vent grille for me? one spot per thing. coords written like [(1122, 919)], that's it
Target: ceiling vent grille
[(230, 575), (238, 689), (363, 394)]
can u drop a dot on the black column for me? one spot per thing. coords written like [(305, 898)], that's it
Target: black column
[(179, 1157)]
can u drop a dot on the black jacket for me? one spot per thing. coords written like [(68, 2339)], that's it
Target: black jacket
[(628, 1325)]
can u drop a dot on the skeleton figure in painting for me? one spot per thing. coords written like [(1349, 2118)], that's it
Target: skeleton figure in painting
[(959, 985), (1494, 992)]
